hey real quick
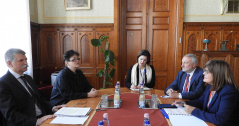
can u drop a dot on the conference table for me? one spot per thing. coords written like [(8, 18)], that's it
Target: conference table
[(95, 116)]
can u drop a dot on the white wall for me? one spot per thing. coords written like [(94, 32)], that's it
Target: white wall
[(207, 11)]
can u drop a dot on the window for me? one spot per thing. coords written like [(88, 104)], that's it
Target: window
[(231, 6)]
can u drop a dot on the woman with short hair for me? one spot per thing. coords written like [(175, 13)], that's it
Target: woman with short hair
[(71, 83)]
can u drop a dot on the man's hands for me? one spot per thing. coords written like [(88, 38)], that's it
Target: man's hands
[(92, 93), (56, 108), (172, 93), (44, 118), (189, 108)]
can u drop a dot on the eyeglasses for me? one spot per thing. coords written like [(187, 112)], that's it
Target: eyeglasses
[(74, 60), (206, 71)]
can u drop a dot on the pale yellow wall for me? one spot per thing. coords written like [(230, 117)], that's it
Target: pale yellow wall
[(102, 11), (53, 12), (33, 11), (207, 11)]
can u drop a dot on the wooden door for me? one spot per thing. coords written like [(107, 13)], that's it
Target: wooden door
[(152, 25)]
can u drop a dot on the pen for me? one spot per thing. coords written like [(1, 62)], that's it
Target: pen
[(164, 113), (101, 109), (180, 103)]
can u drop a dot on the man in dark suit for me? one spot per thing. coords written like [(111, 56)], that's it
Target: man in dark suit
[(20, 102), (189, 81)]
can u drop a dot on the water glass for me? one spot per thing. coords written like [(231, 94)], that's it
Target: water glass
[(154, 101), (104, 101)]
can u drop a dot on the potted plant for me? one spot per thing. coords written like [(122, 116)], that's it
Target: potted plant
[(109, 57)]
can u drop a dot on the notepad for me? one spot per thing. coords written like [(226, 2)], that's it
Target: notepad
[(179, 117), (73, 112), (181, 120)]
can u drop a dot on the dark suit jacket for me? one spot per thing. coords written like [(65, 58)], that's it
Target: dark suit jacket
[(149, 85), (223, 109), (196, 84), (69, 86), (16, 104)]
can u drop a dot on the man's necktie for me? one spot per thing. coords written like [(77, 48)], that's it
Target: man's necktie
[(32, 93), (187, 83)]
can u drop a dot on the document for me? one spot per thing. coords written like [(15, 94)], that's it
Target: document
[(69, 120), (73, 112), (177, 111)]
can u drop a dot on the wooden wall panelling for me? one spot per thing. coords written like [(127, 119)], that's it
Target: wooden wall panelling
[(85, 49), (214, 31), (233, 37), (58, 38), (236, 69), (231, 57), (50, 48), (36, 52), (214, 37), (67, 42), (192, 41)]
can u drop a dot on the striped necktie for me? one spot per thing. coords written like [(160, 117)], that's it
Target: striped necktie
[(186, 85)]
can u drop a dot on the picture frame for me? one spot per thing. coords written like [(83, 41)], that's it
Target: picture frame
[(77, 4)]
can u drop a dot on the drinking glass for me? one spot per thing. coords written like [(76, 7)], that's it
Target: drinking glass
[(104, 101), (154, 101)]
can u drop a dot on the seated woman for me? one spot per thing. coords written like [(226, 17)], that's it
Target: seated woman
[(219, 103), (71, 83), (141, 72)]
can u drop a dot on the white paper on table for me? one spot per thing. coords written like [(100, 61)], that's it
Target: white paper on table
[(73, 111), (183, 120), (69, 120), (145, 89)]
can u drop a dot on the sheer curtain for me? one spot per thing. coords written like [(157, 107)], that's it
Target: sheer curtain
[(15, 30)]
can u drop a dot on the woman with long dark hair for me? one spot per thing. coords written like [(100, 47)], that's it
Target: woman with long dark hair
[(219, 104)]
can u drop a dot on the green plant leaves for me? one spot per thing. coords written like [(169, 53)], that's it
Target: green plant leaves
[(104, 37), (101, 73), (95, 42), (109, 56), (109, 59), (112, 72)]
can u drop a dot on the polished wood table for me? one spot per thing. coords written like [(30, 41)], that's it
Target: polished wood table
[(93, 103)]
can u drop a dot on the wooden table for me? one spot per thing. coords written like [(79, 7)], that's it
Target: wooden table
[(93, 102)]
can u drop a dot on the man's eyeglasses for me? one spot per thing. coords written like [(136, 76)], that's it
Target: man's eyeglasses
[(206, 71), (74, 60)]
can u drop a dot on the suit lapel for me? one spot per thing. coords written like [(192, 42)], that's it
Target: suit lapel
[(15, 82), (194, 76), (206, 99), (213, 100)]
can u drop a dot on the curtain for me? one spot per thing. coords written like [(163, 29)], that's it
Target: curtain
[(15, 31)]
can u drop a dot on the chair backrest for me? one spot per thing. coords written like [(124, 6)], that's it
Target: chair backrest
[(46, 92), (45, 76)]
